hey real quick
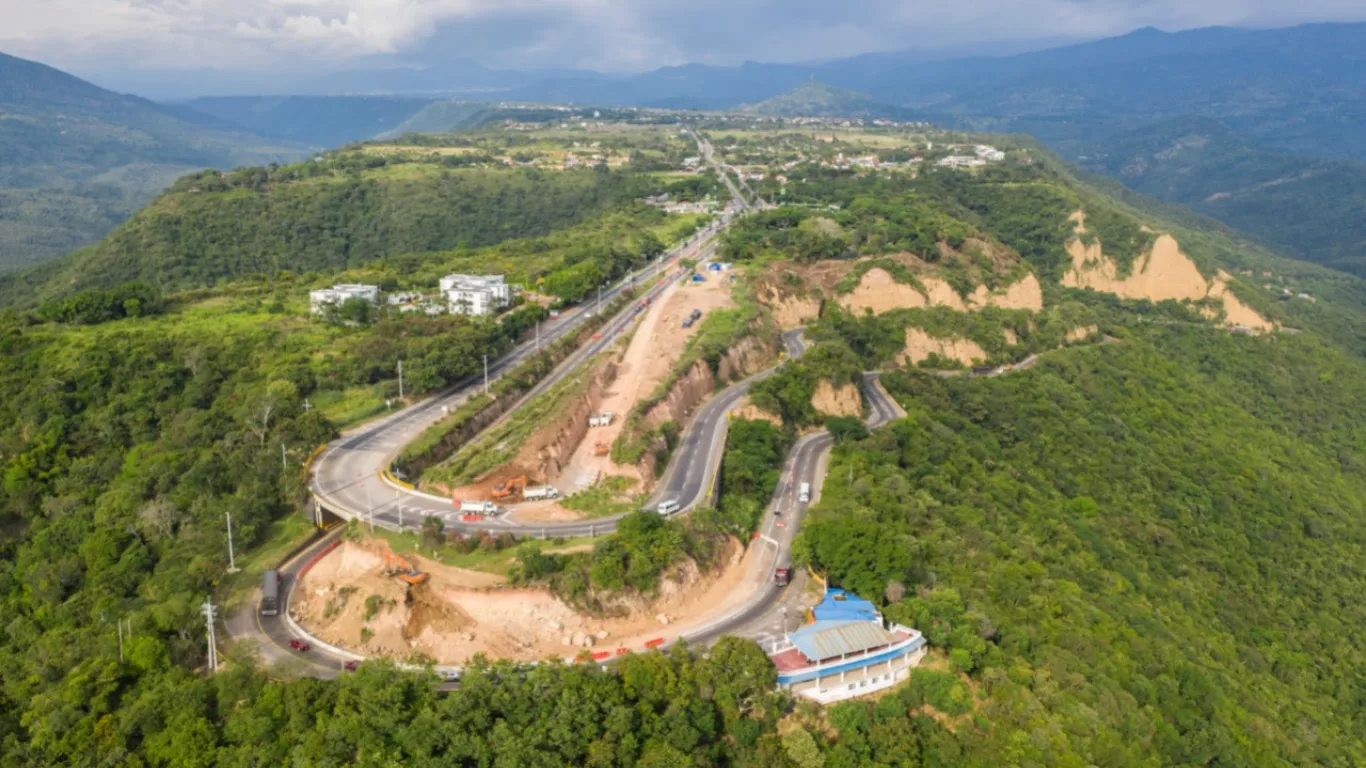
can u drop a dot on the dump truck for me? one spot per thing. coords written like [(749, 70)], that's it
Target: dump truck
[(509, 488), (782, 577), (478, 507), (541, 492)]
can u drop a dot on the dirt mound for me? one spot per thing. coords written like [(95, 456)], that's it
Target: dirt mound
[(920, 345), (844, 401), (429, 612), (1165, 272)]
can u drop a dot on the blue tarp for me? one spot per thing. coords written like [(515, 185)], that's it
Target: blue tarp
[(839, 605)]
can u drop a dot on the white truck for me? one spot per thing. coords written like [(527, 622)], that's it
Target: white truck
[(541, 493), (804, 493), (603, 419), (479, 507)]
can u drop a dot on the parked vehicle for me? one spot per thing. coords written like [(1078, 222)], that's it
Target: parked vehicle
[(509, 488), (270, 594), (541, 492), (351, 666), (804, 492), (479, 507), (299, 645), (696, 314), (688, 321), (603, 419), (667, 507)]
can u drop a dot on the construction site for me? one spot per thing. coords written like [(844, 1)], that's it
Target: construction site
[(364, 598), (569, 451)]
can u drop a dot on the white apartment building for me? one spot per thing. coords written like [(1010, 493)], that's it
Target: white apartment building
[(320, 299), (476, 294)]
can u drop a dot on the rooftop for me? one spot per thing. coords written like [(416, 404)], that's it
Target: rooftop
[(832, 639)]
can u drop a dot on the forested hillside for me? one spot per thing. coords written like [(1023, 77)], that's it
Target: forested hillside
[(343, 212), (79, 159), (1141, 548)]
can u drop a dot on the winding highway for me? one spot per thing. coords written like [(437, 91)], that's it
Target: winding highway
[(348, 476)]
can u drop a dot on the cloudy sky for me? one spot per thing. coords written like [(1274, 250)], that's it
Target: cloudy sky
[(247, 40)]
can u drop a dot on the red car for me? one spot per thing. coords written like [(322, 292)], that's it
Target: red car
[(597, 336), (299, 645), (351, 666)]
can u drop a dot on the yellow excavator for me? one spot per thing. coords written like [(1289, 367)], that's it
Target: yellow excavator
[(404, 570), (509, 488)]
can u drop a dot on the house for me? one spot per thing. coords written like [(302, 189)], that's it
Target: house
[(320, 300), (989, 154), (847, 650), (476, 294), (961, 161)]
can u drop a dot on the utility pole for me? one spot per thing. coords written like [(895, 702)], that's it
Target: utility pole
[(232, 561), (486, 374), (308, 405), (210, 614), (120, 641), (369, 509), (400, 379), (284, 463), (538, 335)]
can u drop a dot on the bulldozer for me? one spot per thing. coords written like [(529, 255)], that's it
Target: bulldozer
[(601, 449), (509, 488), (404, 570)]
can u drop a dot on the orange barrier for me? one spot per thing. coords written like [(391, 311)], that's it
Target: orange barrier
[(314, 560), (600, 655), (658, 641), (471, 518), (622, 651)]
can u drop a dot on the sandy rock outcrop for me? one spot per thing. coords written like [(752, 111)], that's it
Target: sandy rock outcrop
[(879, 292), (920, 345), (748, 411), (791, 311), (1082, 333), (547, 451), (841, 401), (1165, 272)]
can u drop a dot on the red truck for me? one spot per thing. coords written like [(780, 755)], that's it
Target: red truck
[(782, 577)]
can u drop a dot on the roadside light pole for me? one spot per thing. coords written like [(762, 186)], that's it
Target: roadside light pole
[(232, 560), (210, 613), (400, 379), (486, 374)]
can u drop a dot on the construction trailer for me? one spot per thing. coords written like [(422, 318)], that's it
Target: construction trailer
[(603, 419)]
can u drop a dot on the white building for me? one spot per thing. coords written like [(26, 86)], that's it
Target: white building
[(476, 294), (323, 298), (961, 161), (845, 652), (989, 153)]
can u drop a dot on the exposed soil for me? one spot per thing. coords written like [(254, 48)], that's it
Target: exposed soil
[(1163, 273), (455, 614), (844, 401), (920, 345), (1082, 333), (750, 412), (659, 341)]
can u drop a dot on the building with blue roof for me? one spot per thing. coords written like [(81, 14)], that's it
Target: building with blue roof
[(846, 651)]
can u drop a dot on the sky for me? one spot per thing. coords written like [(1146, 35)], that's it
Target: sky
[(237, 43)]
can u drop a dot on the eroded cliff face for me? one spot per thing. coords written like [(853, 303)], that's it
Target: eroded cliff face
[(751, 355), (547, 451), (837, 401)]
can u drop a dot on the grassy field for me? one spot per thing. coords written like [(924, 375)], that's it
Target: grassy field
[(608, 497), (495, 561)]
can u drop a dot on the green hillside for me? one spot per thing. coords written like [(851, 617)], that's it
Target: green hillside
[(816, 99), (317, 121), (78, 159), (344, 211)]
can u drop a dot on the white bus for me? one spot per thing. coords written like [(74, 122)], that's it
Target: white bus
[(804, 492)]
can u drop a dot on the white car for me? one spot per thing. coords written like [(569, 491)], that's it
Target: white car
[(667, 507)]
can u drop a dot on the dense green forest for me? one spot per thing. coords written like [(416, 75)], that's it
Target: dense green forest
[(1141, 551)]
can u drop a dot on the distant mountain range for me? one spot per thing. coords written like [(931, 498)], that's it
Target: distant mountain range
[(76, 159)]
